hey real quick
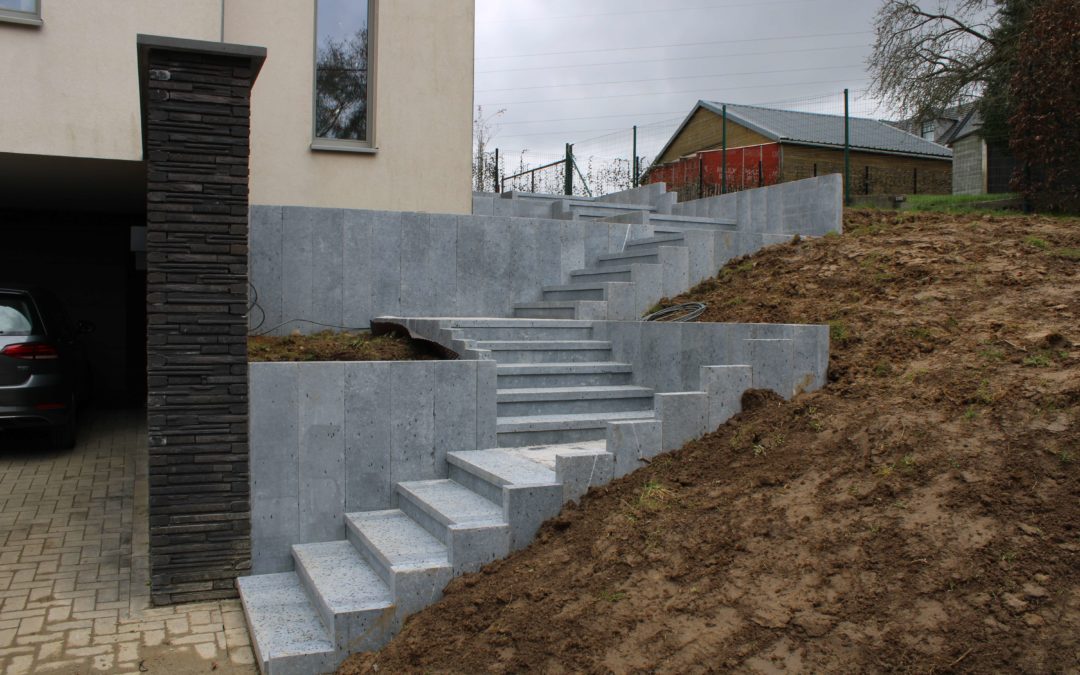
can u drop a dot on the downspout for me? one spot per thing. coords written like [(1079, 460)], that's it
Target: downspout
[(222, 21)]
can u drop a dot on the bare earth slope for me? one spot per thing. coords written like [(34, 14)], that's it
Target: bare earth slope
[(920, 514)]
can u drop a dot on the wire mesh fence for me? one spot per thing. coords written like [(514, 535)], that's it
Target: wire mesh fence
[(731, 147)]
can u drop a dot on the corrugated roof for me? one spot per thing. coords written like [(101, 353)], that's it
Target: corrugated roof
[(828, 130)]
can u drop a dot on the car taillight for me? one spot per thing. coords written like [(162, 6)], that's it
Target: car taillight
[(31, 351)]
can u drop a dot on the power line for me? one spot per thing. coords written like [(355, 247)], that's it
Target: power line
[(560, 17), (696, 90), (578, 119), (667, 79), (673, 58), (678, 44)]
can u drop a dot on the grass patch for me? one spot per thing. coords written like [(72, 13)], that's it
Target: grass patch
[(1067, 253), (1040, 360), (961, 203), (838, 331)]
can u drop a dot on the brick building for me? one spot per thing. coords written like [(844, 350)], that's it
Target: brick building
[(767, 146)]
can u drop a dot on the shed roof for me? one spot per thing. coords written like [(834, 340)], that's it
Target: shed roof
[(803, 128)]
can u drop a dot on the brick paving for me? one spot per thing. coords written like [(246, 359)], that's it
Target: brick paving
[(74, 581)]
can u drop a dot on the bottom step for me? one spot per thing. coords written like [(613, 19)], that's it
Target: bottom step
[(286, 632)]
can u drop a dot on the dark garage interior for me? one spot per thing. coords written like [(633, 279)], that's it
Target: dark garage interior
[(77, 227)]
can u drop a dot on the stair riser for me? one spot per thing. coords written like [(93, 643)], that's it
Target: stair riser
[(546, 313), (491, 334), (567, 380), (671, 228), (470, 548), (514, 439), (412, 589), (631, 247), (552, 356), (352, 631), (571, 406), (644, 258), (583, 294), (594, 276)]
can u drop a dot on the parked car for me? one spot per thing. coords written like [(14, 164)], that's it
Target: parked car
[(44, 373)]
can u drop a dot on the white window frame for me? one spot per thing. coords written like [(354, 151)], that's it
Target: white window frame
[(31, 18), (929, 127), (344, 144)]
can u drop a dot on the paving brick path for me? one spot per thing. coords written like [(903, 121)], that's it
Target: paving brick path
[(73, 565)]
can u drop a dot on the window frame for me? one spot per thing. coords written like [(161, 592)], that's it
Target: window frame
[(28, 18), (345, 144), (929, 127)]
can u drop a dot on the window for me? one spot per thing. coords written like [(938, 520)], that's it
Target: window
[(928, 130), (21, 11), (344, 75), (16, 317)]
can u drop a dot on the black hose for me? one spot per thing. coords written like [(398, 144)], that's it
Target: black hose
[(679, 313)]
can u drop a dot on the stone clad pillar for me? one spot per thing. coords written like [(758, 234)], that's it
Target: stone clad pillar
[(196, 119)]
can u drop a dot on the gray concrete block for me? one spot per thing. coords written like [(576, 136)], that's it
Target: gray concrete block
[(621, 302), (759, 210), (321, 457), (579, 470), (454, 410), (648, 287), (386, 262), (327, 274), (483, 205), (275, 486), (526, 507), (429, 258), (367, 436), (572, 240), (412, 422), (297, 267), (724, 386), (630, 442), (810, 360), (660, 362), (743, 210), (772, 361), (702, 255), (675, 264), (265, 260), (683, 417), (358, 282)]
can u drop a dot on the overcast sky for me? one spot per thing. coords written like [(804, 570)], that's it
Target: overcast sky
[(571, 70)]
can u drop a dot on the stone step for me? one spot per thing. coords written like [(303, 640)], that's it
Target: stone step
[(529, 329), (667, 223), (568, 428), (529, 492), (653, 243), (409, 559), (287, 634), (631, 257), (352, 601), (532, 375), (557, 400), (582, 291), (472, 527), (546, 351), (561, 309), (596, 274)]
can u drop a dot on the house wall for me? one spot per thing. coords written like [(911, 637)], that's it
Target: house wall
[(968, 170), (74, 79), (888, 174), (704, 131)]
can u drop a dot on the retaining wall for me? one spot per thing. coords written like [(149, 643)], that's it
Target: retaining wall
[(333, 438), (344, 267)]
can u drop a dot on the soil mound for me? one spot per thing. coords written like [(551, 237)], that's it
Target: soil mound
[(922, 513)]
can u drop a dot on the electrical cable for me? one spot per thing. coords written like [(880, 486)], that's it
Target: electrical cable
[(678, 313), (254, 332)]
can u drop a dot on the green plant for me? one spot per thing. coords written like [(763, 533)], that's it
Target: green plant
[(992, 355), (1066, 457), (838, 331), (1067, 253), (1040, 360), (971, 413), (654, 496), (759, 450), (611, 596), (882, 369), (1035, 242)]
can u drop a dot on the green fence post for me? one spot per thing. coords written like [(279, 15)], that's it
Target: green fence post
[(633, 162), (723, 156), (847, 152), (568, 181), (498, 183)]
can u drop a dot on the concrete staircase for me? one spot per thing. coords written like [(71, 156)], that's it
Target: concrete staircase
[(559, 394)]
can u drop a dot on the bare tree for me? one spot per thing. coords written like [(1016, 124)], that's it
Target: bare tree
[(483, 159), (926, 59)]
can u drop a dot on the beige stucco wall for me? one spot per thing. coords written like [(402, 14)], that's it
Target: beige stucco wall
[(70, 89), (423, 109)]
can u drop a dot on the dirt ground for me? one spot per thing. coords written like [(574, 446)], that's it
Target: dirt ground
[(334, 346), (920, 514)]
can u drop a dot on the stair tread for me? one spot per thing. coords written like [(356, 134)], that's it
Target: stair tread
[(586, 271), (564, 368), (452, 503), (628, 254), (342, 577), (398, 539), (542, 344), (281, 618), (549, 304), (557, 393), (660, 239), (587, 286), (569, 420), (503, 468), (547, 455), (693, 219), (519, 323)]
